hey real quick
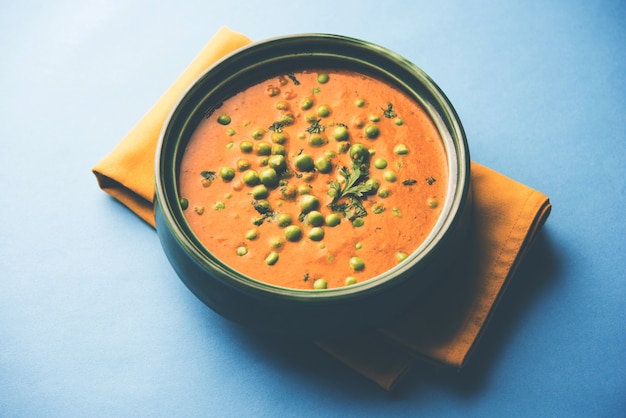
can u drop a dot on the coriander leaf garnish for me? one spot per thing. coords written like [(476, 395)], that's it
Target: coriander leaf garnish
[(351, 209), (264, 210), (293, 78), (389, 112), (276, 127), (409, 182), (430, 180), (353, 190), (315, 127), (209, 175)]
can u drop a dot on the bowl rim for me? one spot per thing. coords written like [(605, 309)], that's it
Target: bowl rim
[(438, 108)]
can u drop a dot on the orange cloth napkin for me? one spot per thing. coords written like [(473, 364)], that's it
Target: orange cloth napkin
[(445, 327)]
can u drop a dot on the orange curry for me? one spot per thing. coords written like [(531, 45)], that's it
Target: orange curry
[(314, 179)]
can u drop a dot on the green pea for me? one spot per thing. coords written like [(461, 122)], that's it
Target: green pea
[(184, 203), (317, 140), (358, 222), (323, 111), (372, 185), (340, 133), (390, 176), (357, 264), (372, 131), (278, 149), (243, 164), (380, 163), (315, 218), (246, 147), (384, 192), (333, 219), (223, 119), (350, 280), (219, 205), (359, 102), (323, 165), (262, 205), (227, 173), (358, 151), (320, 284), (358, 245), (230, 132), (306, 103), (432, 203), (398, 121), (304, 189), (374, 118), (284, 219), (304, 162), (343, 147), (322, 78), (308, 203), (293, 233), (277, 242), (269, 177), (316, 234), (400, 149), (257, 134), (401, 256), (252, 234), (289, 192), (287, 119), (260, 192), (278, 163), (377, 208), (263, 148), (272, 258), (282, 105), (241, 251), (278, 137)]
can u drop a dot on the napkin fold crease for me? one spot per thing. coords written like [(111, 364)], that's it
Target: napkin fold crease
[(445, 327)]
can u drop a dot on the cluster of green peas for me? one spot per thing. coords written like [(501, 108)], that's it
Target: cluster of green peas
[(275, 170)]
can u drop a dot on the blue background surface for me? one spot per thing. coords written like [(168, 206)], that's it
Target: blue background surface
[(94, 322)]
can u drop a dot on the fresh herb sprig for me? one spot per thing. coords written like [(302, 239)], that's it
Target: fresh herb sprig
[(264, 211), (353, 191), (389, 112), (315, 127)]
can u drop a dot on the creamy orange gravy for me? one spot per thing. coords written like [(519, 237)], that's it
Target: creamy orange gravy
[(223, 213)]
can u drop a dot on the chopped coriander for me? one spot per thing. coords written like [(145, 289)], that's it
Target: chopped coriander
[(293, 79), (276, 127), (389, 112), (315, 127)]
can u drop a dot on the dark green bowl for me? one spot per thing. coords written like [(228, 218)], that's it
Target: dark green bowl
[(308, 313)]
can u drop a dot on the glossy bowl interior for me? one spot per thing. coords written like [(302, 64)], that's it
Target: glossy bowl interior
[(293, 312)]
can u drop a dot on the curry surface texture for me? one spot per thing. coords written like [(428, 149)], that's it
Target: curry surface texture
[(315, 179)]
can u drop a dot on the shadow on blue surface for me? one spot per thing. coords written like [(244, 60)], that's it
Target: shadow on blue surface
[(535, 274), (303, 362)]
